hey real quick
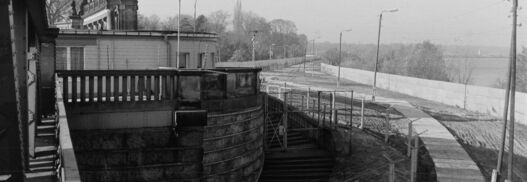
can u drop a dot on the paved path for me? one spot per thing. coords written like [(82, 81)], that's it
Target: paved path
[(452, 162)]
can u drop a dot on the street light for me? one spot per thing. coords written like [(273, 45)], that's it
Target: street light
[(271, 51), (340, 56), (178, 33), (378, 44)]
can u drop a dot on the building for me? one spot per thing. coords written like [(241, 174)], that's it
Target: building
[(134, 50), (101, 15)]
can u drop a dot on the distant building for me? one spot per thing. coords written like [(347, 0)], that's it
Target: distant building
[(137, 50), (101, 15)]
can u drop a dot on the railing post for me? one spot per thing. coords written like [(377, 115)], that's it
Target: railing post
[(302, 106), (285, 122), (74, 88), (116, 87), (362, 114), (65, 80), (313, 108), (409, 140), (133, 79), (266, 112), (413, 160), (308, 97), (331, 107), (108, 88), (319, 92), (324, 115), (124, 93)]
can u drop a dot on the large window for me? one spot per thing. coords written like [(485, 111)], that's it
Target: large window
[(62, 58), (77, 58), (183, 59)]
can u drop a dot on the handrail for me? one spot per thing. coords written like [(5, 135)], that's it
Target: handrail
[(67, 168)]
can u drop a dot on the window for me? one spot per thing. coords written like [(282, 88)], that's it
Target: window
[(201, 59), (183, 59), (77, 58), (62, 58)]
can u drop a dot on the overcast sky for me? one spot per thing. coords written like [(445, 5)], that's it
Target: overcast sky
[(462, 22)]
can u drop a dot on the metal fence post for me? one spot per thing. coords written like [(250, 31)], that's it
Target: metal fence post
[(319, 92), (313, 108), (413, 167), (331, 107), (285, 122), (308, 97), (362, 114), (266, 112), (324, 116), (409, 140)]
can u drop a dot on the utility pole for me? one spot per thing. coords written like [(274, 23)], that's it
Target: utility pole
[(378, 46), (340, 56), (195, 20), (178, 34), (510, 95)]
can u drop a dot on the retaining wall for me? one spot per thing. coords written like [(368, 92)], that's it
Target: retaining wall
[(476, 98)]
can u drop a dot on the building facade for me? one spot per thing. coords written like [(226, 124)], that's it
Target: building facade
[(125, 50), (101, 15)]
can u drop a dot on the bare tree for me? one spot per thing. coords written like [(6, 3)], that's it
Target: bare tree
[(218, 21), (57, 11)]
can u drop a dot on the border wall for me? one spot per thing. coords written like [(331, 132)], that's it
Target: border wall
[(268, 64), (475, 98)]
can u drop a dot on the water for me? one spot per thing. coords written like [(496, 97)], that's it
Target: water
[(486, 71)]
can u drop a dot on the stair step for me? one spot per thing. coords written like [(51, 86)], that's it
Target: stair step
[(320, 164), (40, 163), (301, 171), (45, 150), (46, 134), (308, 176), (42, 176)]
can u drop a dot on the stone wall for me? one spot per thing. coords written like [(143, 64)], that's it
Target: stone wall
[(476, 98), (232, 144)]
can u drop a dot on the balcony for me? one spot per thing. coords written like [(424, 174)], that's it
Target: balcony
[(144, 125)]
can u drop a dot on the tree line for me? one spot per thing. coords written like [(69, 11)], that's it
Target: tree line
[(274, 39)]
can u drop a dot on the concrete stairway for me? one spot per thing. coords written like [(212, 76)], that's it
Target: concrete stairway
[(303, 161), (42, 166)]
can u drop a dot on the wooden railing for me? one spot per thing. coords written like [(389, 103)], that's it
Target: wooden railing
[(120, 86)]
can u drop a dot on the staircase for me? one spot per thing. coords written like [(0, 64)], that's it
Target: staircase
[(42, 166), (303, 160)]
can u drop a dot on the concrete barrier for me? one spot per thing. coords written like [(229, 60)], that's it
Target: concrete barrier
[(267, 64), (476, 98)]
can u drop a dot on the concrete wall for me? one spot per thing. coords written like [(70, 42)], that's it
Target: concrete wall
[(266, 64), (476, 98)]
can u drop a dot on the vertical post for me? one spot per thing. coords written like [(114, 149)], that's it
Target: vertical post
[(331, 107), (377, 58), (392, 172), (351, 109), (313, 109), (319, 92), (324, 116), (510, 166), (178, 34), (413, 167), (409, 140), (285, 121), (302, 104), (308, 97), (362, 114), (340, 59), (266, 112)]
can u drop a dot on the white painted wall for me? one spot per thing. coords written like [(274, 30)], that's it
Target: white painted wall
[(475, 98)]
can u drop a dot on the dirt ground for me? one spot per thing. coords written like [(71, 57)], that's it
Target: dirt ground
[(478, 133)]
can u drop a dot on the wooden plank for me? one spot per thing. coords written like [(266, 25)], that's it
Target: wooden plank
[(91, 88)]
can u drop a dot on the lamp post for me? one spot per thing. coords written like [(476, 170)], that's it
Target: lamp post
[(254, 32), (378, 45), (340, 56), (195, 20), (178, 34), (271, 51)]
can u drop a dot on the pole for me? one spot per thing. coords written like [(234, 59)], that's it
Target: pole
[(253, 51), (195, 20), (285, 121), (513, 91), (178, 34), (340, 59), (377, 58)]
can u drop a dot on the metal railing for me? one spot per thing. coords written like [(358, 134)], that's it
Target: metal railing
[(66, 163)]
